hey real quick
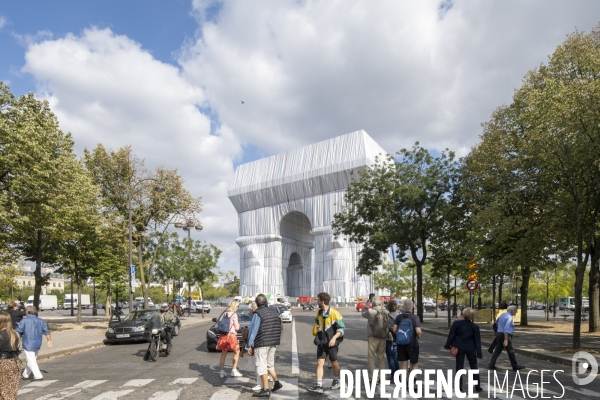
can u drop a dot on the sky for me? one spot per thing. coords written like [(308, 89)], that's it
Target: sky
[(169, 78)]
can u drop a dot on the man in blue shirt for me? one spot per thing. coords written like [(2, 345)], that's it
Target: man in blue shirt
[(31, 329), (506, 328)]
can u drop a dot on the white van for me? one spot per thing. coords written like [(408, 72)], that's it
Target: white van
[(47, 302), (141, 300), (85, 301)]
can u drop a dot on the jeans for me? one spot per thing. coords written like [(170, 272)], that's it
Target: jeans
[(500, 346), (391, 352), (460, 364), (32, 366)]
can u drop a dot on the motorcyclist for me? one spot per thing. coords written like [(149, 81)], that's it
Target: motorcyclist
[(168, 320)]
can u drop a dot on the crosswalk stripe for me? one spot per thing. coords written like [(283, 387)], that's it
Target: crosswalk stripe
[(112, 395), (41, 383), (24, 390), (170, 395), (137, 382), (237, 381), (226, 394), (295, 359), (184, 381), (73, 390), (289, 391)]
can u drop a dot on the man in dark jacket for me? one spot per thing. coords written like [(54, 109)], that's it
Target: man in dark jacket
[(16, 315), (263, 339)]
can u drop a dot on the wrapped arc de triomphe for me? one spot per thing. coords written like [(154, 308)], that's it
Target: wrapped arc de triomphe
[(285, 206)]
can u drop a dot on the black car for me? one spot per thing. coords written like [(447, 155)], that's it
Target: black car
[(212, 335), (135, 327)]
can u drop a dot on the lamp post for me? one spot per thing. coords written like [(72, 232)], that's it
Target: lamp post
[(157, 188), (187, 225)]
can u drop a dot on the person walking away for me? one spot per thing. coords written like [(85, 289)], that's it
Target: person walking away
[(506, 329), (264, 337), (329, 332), (168, 320), (16, 314), (377, 332), (391, 350), (465, 336), (407, 329), (228, 341), (10, 364), (31, 330)]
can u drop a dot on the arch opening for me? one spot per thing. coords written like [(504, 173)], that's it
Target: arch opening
[(297, 244)]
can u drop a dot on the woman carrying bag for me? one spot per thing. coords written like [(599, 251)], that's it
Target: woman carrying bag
[(10, 364), (464, 339), (228, 340)]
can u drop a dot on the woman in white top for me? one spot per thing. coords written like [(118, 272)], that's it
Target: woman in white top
[(229, 341)]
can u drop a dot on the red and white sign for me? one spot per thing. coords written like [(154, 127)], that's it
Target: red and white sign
[(472, 284)]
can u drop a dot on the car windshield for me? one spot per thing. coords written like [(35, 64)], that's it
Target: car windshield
[(283, 308), (140, 316), (243, 315)]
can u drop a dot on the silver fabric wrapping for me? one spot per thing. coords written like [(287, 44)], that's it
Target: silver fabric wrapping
[(285, 206)]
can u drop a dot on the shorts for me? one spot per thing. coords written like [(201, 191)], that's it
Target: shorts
[(323, 352), (265, 359), (407, 352)]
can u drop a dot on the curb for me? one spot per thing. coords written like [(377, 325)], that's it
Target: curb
[(538, 354), (74, 350)]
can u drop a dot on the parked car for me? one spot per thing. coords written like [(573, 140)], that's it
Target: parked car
[(429, 306), (132, 328), (284, 312), (361, 305), (212, 335)]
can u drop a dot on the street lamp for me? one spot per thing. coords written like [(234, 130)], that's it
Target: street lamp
[(157, 188), (187, 224)]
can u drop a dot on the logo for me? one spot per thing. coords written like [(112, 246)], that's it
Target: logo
[(580, 368)]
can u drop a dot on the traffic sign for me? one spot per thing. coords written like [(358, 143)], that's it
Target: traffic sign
[(132, 270), (472, 284), (473, 264), (472, 275)]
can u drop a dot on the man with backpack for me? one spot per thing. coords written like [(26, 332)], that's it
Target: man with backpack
[(408, 329), (328, 331), (377, 331)]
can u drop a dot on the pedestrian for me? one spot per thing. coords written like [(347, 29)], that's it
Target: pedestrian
[(329, 332), (465, 336), (251, 308), (506, 329), (16, 315), (31, 329), (168, 320), (407, 328), (263, 339), (10, 364), (391, 350), (377, 332), (229, 341)]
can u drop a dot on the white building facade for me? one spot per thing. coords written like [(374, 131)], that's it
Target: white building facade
[(286, 204)]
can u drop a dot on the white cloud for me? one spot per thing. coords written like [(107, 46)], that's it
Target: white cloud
[(2, 21), (403, 71), (107, 89)]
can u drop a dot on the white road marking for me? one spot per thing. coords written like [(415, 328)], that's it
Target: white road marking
[(295, 359), (171, 395), (41, 383), (237, 381), (112, 395), (68, 392), (184, 381), (226, 394), (138, 382), (582, 391), (23, 391), (289, 391)]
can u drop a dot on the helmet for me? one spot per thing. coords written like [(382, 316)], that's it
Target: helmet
[(164, 309)]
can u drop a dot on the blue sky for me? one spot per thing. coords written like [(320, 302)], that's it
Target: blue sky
[(168, 78)]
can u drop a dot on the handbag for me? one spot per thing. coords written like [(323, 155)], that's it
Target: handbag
[(453, 350)]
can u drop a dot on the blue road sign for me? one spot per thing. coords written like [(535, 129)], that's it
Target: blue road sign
[(133, 270)]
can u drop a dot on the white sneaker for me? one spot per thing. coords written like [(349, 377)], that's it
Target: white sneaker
[(235, 373), (257, 388), (223, 373)]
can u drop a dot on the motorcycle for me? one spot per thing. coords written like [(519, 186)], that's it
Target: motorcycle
[(308, 307), (158, 343)]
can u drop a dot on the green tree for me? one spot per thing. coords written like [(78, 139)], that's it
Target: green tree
[(395, 277), (397, 202), (8, 274)]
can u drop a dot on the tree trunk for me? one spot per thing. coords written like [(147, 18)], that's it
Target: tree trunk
[(420, 290), (547, 299), (78, 298), (38, 271), (448, 300), (594, 296), (579, 275), (107, 301), (493, 298), (524, 290), (72, 310)]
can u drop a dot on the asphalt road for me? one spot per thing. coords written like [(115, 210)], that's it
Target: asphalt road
[(191, 372)]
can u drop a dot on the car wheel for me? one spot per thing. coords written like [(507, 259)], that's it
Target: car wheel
[(154, 350)]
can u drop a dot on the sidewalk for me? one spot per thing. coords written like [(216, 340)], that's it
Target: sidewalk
[(90, 334), (550, 346)]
